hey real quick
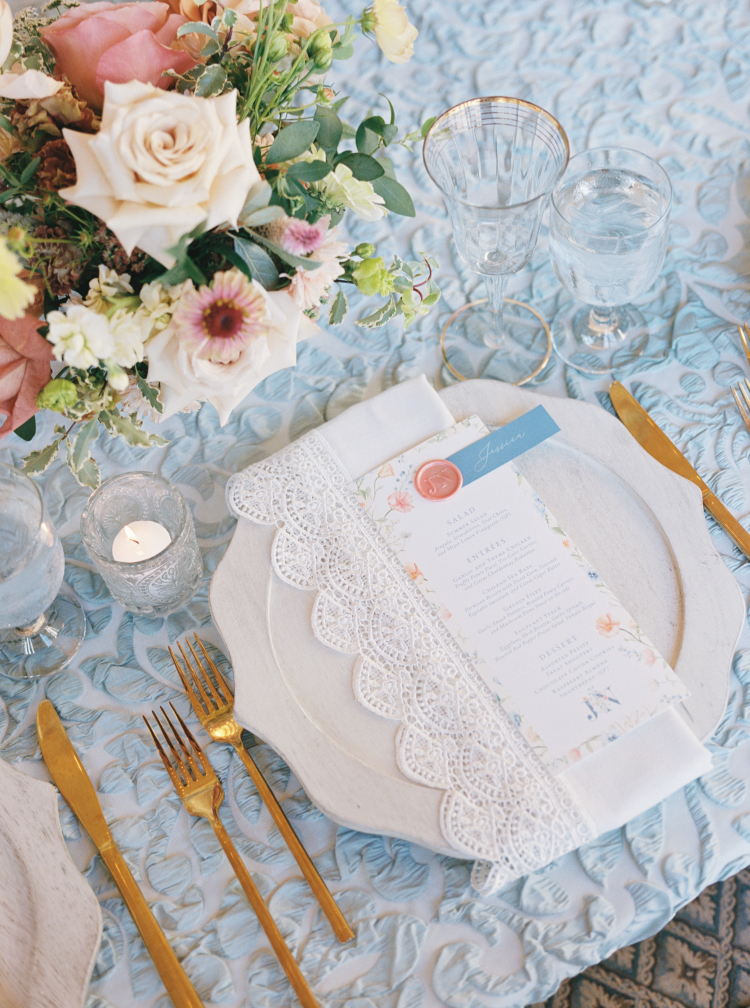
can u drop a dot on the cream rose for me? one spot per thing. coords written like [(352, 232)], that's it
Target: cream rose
[(6, 31), (186, 377), (394, 33), (161, 164)]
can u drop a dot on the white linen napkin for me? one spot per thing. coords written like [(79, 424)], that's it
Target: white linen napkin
[(625, 777)]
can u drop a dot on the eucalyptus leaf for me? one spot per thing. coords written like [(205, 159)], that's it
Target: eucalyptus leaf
[(258, 197), (330, 130), (211, 82), (369, 133), (292, 141), (309, 171), (261, 265), (338, 309), (287, 257), (26, 431), (265, 215), (397, 199), (362, 166), (426, 125)]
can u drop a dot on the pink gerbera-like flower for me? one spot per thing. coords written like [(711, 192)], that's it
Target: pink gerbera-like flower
[(607, 625), (401, 501), (301, 238), (216, 323)]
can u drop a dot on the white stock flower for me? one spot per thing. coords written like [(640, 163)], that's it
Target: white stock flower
[(85, 338), (109, 284), (393, 32), (81, 337), (127, 335), (157, 306), (185, 377), (309, 286), (161, 164)]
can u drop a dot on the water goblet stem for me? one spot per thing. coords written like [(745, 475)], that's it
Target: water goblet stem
[(496, 284)]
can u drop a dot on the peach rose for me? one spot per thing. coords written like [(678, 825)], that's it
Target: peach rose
[(24, 369), (119, 42)]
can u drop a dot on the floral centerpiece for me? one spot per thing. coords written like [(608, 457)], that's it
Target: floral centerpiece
[(171, 179)]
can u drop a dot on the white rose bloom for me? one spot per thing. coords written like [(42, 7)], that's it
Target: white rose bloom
[(393, 32), (161, 164), (27, 85), (6, 31), (81, 337), (184, 377)]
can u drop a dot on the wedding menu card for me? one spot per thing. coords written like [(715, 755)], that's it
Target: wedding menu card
[(563, 656)]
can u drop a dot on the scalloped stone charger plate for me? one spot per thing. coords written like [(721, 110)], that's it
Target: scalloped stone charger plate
[(50, 920), (639, 524)]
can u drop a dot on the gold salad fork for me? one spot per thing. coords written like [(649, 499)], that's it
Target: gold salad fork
[(214, 705), (201, 792), (741, 395), (744, 331)]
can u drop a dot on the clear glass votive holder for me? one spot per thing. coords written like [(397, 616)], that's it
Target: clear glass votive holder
[(157, 585)]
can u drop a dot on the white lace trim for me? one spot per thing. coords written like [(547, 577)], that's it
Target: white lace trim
[(500, 803)]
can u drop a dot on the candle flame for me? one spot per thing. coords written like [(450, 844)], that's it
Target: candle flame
[(129, 534)]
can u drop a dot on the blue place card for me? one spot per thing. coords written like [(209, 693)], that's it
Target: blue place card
[(504, 444)]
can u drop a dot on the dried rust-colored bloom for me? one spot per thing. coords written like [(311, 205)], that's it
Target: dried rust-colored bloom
[(40, 120), (60, 262), (112, 254), (57, 168)]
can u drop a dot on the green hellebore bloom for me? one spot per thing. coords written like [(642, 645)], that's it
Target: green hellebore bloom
[(58, 395), (372, 277)]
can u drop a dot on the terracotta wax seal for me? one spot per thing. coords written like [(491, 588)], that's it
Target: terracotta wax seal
[(438, 480)]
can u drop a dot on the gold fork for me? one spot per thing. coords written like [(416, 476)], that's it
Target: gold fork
[(214, 705), (202, 794), (742, 397), (745, 339)]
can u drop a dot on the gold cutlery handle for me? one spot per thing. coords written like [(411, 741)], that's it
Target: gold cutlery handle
[(175, 979), (320, 890), (285, 957), (727, 521)]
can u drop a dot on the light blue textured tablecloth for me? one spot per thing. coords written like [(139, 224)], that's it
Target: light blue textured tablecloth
[(673, 80)]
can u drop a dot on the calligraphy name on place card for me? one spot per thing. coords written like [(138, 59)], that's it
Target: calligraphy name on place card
[(556, 646)]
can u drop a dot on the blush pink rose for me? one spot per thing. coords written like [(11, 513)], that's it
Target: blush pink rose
[(24, 369), (118, 42)]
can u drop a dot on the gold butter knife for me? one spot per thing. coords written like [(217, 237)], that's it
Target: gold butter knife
[(651, 437), (76, 788)]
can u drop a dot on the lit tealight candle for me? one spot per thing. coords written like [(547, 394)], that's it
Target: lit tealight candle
[(139, 541)]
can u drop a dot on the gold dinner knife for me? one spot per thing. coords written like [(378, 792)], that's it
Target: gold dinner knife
[(651, 437), (76, 788)]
